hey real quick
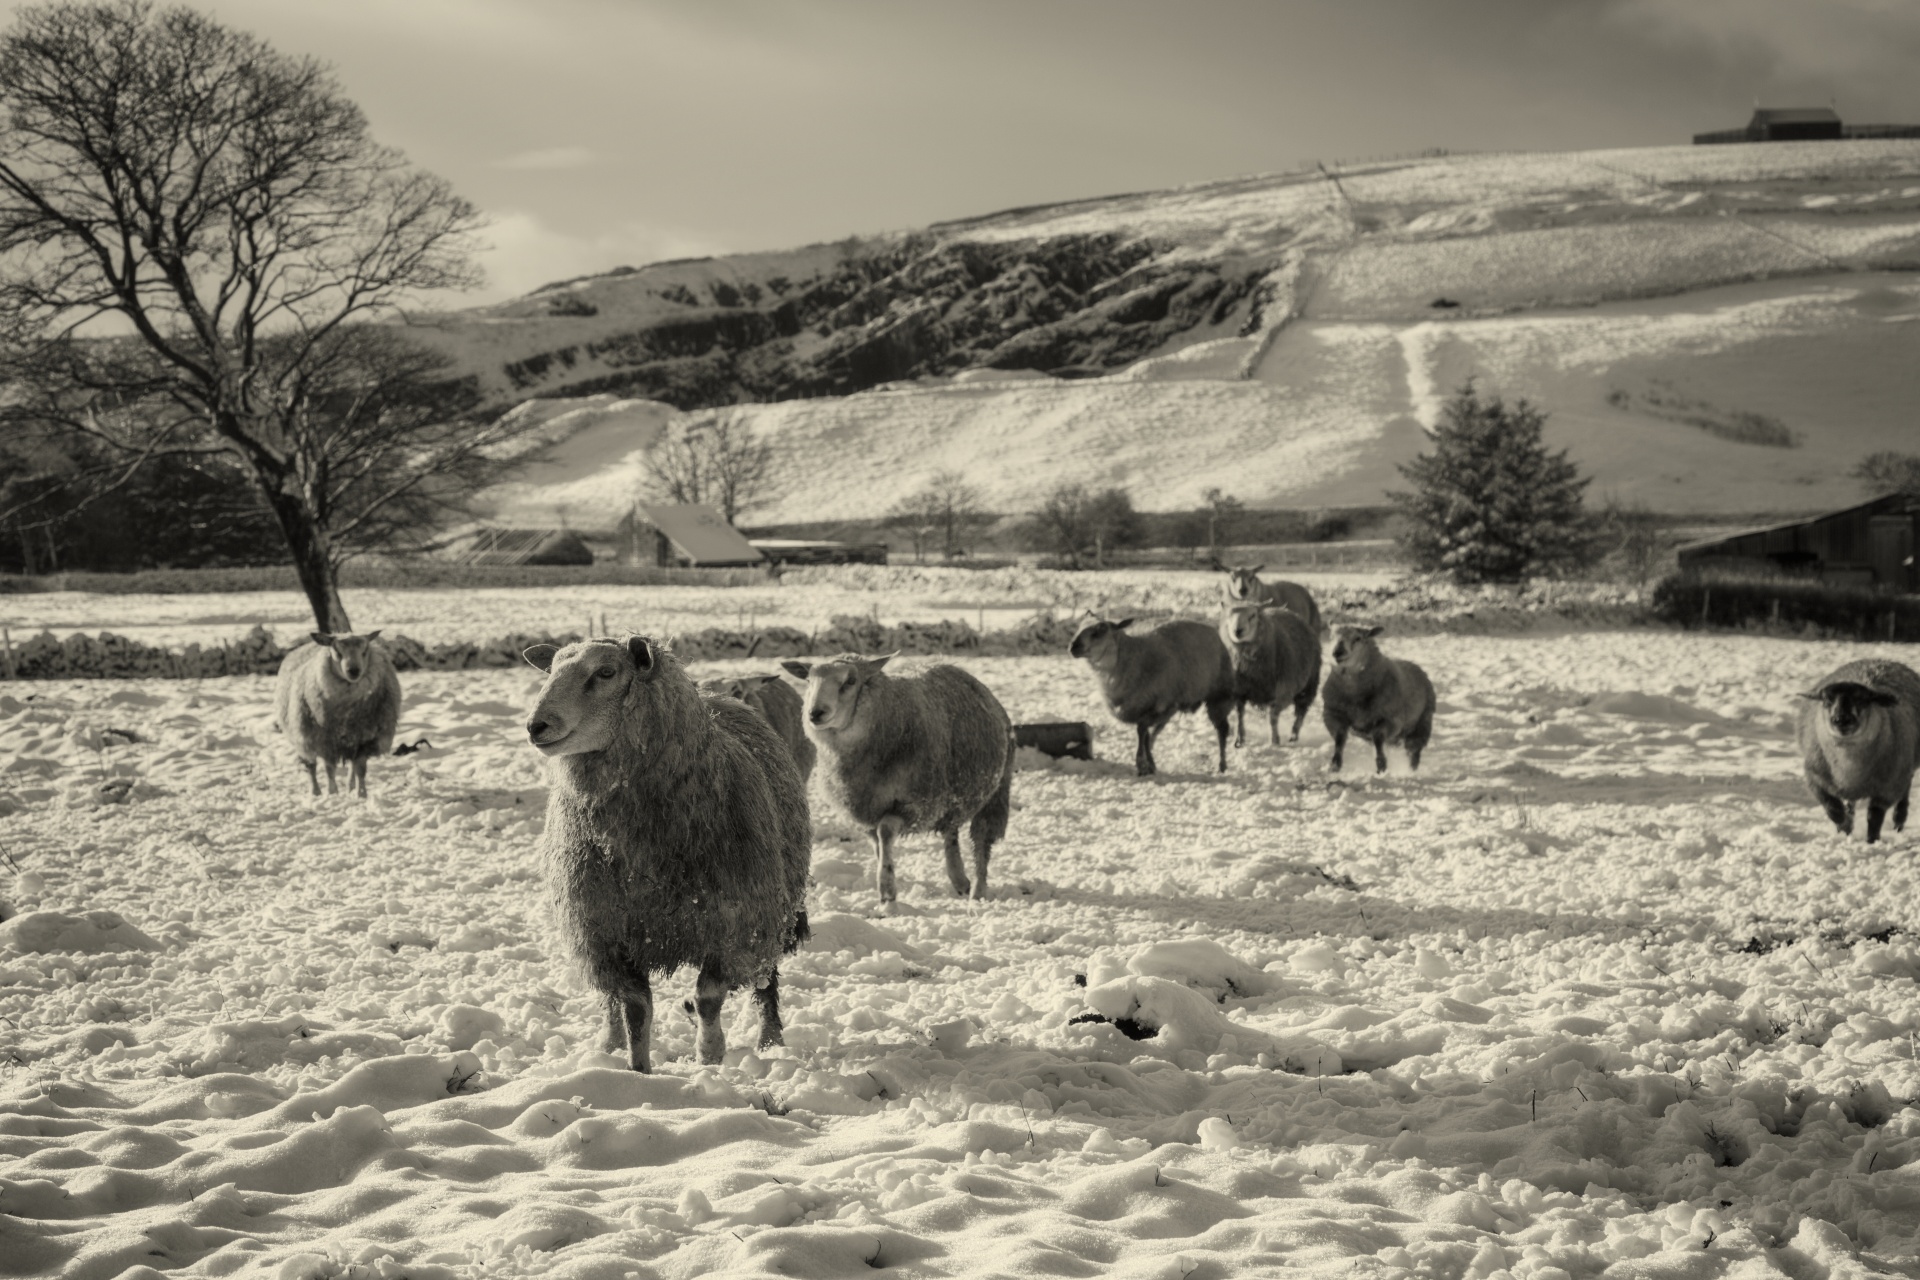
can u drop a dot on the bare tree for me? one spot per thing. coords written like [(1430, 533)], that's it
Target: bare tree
[(194, 230), (946, 505), (918, 516), (716, 459), (1223, 514)]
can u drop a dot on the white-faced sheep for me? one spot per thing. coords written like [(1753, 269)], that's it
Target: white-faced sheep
[(1243, 586), (677, 834), (1384, 700), (1860, 740), (338, 699), (777, 704), (932, 751), (1276, 661), (1179, 665)]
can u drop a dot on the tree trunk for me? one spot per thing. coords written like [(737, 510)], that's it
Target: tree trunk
[(307, 545)]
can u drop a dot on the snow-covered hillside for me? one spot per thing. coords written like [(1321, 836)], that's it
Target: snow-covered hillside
[(1600, 990), (1283, 337)]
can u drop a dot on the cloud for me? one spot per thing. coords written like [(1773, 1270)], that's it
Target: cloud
[(548, 158), (524, 253), (1869, 44)]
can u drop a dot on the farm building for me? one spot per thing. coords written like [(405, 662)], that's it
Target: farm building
[(816, 551), (518, 546), (684, 534), (1802, 124), (1869, 545)]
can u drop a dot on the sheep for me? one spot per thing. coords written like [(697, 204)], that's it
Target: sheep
[(1382, 699), (777, 704), (677, 834), (1276, 660), (1243, 586), (1180, 665), (1860, 739), (337, 699), (923, 752)]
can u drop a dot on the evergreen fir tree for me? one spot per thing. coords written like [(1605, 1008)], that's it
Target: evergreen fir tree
[(1490, 503)]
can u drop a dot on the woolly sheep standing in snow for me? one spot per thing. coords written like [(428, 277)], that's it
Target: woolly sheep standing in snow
[(677, 834), (1179, 665), (1384, 700), (777, 704), (1860, 740), (925, 752), (1276, 660), (1243, 586), (338, 699)]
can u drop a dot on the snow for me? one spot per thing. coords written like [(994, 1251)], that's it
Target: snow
[(1598, 988)]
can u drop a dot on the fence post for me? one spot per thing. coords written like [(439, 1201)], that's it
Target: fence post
[(6, 649), (1706, 598)]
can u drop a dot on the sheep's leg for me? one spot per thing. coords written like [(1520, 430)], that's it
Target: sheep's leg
[(359, 779), (883, 833), (313, 778), (331, 789), (637, 1004), (1900, 814), (956, 869), (1143, 750), (987, 826), (709, 993), (1339, 749), (1415, 745), (616, 1037), (1239, 722), (767, 996), (1273, 723), (1217, 712), (1300, 705), (1838, 811), (1379, 751), (1876, 816)]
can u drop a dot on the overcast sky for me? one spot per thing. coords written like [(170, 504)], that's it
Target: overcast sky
[(597, 133)]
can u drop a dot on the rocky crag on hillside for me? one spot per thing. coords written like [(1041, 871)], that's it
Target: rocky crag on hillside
[(894, 309)]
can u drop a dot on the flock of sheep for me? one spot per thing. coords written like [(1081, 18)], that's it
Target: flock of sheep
[(678, 831)]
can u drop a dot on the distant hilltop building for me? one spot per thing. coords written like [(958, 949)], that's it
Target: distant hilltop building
[(1803, 124)]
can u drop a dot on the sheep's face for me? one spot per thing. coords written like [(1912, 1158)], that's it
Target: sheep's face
[(348, 652), (1849, 707), (720, 687), (582, 702), (1244, 584), (1099, 643), (1354, 646), (1241, 625), (834, 689)]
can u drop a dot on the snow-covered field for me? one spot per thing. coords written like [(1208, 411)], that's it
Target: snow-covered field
[(1599, 988)]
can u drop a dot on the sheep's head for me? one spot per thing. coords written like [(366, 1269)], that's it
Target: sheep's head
[(1354, 646), (737, 687), (834, 687), (349, 652), (1244, 584), (1849, 706), (584, 697), (1240, 624), (1099, 642)]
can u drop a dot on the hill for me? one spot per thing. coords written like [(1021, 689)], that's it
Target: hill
[(1712, 329)]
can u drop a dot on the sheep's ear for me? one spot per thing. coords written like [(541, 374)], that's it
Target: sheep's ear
[(373, 635), (798, 670), (1123, 624), (640, 649), (754, 682), (1881, 698), (870, 667), (1257, 568), (540, 656), (1815, 696), (1371, 632), (322, 638)]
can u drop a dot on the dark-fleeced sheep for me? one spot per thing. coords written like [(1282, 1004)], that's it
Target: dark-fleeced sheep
[(1276, 661), (1384, 700), (337, 700), (1179, 665), (1243, 586), (931, 751), (777, 704), (677, 834), (1860, 740)]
